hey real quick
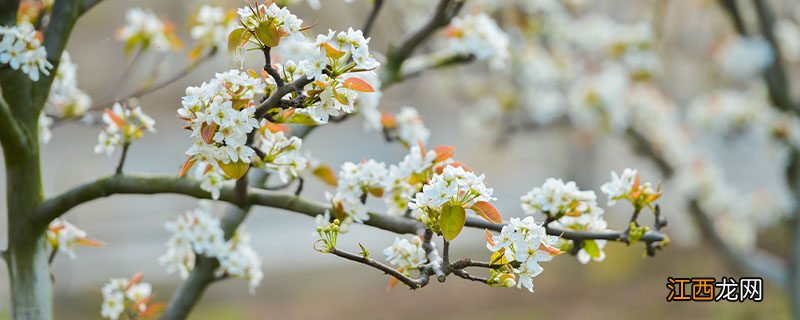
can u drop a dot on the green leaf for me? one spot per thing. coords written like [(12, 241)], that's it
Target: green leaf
[(235, 38), (304, 119), (452, 221), (591, 248), (268, 34)]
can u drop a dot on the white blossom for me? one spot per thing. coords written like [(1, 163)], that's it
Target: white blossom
[(122, 125), (22, 49), (199, 232), (121, 295), (65, 98), (478, 35), (527, 243), (145, 30), (406, 255)]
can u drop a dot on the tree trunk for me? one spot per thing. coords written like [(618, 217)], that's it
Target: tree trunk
[(31, 286), (793, 178)]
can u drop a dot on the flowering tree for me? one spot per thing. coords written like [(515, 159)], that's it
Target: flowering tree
[(246, 128)]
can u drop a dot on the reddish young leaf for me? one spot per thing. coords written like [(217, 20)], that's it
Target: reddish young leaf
[(457, 164), (274, 127), (443, 153), (113, 116), (186, 166), (388, 121), (207, 132), (488, 236), (92, 243), (487, 211), (332, 52), (326, 174), (553, 251), (358, 84), (135, 280), (392, 282)]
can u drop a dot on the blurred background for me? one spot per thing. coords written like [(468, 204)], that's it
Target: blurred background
[(300, 283)]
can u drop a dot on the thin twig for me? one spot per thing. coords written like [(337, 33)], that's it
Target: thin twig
[(373, 14), (122, 157), (411, 283)]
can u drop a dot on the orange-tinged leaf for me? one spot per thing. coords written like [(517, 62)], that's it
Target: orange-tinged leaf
[(326, 174), (488, 236), (235, 170), (487, 211), (195, 53), (332, 52), (459, 164), (451, 221), (289, 113), (635, 185), (135, 280), (117, 120), (358, 84), (388, 121), (92, 243), (152, 310), (207, 132), (421, 147), (553, 251), (186, 166), (443, 153), (275, 127), (453, 32), (253, 73), (392, 282)]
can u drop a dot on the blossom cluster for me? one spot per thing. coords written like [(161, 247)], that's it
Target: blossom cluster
[(66, 99), (480, 36), (397, 184), (454, 187), (121, 126), (268, 24), (131, 297), (406, 255), (355, 182), (221, 115), (281, 153), (339, 64), (22, 49), (570, 208), (521, 245), (64, 237), (211, 27), (198, 232), (144, 30), (626, 186), (406, 178)]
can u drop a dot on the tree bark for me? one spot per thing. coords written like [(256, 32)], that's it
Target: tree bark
[(29, 272)]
